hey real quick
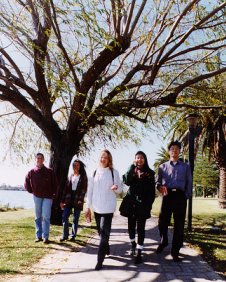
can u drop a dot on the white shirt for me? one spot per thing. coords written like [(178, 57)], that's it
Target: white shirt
[(74, 181), (99, 194)]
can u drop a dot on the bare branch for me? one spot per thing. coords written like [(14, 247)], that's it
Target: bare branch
[(13, 64), (137, 17)]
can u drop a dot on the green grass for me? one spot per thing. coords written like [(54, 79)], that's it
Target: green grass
[(17, 247), (208, 231)]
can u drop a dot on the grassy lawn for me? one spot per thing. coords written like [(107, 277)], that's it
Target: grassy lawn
[(18, 251), (208, 231)]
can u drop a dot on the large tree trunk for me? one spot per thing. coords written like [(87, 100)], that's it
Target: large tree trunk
[(62, 152), (222, 186), (220, 157)]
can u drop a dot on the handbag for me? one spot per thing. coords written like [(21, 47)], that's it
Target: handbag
[(131, 206), (126, 206)]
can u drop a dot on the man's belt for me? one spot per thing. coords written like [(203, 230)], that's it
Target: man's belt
[(174, 190)]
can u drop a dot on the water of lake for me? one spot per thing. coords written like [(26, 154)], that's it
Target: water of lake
[(16, 199)]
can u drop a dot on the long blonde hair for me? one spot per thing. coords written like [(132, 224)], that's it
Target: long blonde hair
[(110, 159)]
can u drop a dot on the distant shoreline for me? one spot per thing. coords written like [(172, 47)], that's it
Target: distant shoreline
[(11, 188)]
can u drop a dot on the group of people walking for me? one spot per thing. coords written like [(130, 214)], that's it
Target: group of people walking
[(173, 181)]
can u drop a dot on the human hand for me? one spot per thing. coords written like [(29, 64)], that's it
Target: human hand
[(114, 187), (79, 205), (62, 205), (88, 215), (163, 190)]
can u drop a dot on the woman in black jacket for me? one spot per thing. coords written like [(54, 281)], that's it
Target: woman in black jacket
[(141, 195), (73, 198)]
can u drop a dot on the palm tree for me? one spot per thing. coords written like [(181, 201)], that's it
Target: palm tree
[(211, 130), (210, 135), (163, 156), (213, 135)]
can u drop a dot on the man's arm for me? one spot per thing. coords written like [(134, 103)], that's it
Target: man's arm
[(159, 178), (161, 188), (27, 183)]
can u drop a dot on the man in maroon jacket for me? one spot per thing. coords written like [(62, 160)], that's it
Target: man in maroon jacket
[(41, 182)]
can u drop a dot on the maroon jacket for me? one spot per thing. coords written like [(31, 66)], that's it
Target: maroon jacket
[(41, 182)]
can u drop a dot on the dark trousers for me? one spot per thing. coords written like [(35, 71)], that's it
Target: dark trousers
[(103, 222), (139, 223), (175, 203)]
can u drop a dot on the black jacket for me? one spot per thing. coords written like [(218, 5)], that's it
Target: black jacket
[(71, 200), (141, 190)]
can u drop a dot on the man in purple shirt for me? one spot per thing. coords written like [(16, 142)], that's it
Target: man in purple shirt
[(41, 182), (174, 181)]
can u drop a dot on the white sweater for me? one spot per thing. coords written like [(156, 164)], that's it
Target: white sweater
[(99, 194)]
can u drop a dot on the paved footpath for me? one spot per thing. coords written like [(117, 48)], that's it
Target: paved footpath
[(119, 267)]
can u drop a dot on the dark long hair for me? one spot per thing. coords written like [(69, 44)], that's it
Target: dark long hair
[(146, 166), (82, 170)]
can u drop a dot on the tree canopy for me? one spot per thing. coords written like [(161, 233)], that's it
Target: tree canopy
[(89, 67)]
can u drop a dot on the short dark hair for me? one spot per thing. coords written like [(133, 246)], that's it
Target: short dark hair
[(174, 143), (39, 154)]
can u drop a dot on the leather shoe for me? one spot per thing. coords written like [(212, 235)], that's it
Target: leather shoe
[(46, 241), (108, 251), (160, 248), (132, 252), (176, 258), (63, 239), (38, 240), (98, 266), (138, 259)]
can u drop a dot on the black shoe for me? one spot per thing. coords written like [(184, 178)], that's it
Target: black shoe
[(132, 252), (46, 241), (138, 259), (160, 248), (176, 258), (72, 239), (63, 239), (38, 240), (98, 266), (108, 253)]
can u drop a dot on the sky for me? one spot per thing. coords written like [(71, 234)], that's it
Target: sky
[(14, 174)]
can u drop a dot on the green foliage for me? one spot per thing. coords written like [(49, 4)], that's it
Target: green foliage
[(206, 176), (163, 156)]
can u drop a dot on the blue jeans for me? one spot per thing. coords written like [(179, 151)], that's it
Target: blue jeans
[(42, 216), (65, 216)]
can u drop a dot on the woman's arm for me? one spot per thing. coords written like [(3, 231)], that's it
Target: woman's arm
[(129, 176), (117, 187), (89, 192)]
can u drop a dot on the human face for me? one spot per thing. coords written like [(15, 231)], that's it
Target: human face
[(76, 167), (104, 159), (39, 160), (139, 160), (174, 153)]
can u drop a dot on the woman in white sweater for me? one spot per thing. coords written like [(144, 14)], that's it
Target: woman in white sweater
[(101, 195)]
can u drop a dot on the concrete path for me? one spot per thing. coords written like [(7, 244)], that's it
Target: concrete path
[(119, 267)]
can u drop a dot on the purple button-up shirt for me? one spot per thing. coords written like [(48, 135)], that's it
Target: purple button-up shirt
[(175, 176)]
